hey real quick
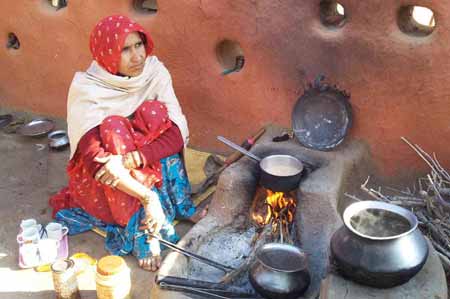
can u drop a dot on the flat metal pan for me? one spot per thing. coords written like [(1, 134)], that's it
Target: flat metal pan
[(5, 120), (322, 117), (36, 127)]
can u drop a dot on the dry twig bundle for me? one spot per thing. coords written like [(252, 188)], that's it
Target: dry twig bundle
[(430, 203)]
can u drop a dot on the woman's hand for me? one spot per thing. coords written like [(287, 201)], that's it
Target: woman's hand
[(110, 173), (154, 214), (132, 160)]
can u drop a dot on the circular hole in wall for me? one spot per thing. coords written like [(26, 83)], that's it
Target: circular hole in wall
[(146, 6), (57, 4), (13, 41), (332, 13), (230, 56), (416, 20)]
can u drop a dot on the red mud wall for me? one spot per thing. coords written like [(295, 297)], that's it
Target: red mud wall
[(399, 84)]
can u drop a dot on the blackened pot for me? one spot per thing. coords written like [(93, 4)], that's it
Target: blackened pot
[(280, 271), (379, 245)]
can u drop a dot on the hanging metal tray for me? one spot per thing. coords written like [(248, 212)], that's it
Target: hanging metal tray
[(36, 127), (322, 116)]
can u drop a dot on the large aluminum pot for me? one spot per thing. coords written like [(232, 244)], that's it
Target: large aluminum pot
[(379, 245), (279, 173), (280, 271)]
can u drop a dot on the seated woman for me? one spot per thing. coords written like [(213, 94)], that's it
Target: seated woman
[(126, 132)]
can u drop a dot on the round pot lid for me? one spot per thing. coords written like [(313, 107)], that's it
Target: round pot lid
[(322, 116)]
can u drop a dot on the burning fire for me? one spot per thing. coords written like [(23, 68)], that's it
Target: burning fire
[(276, 207)]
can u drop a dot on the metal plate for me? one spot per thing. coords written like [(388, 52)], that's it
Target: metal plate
[(5, 120), (36, 127), (321, 118)]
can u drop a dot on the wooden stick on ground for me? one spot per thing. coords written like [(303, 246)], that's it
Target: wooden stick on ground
[(242, 269)]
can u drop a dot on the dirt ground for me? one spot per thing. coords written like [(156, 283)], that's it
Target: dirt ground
[(31, 172)]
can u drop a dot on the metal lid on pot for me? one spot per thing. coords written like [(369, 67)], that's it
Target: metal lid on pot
[(322, 116)]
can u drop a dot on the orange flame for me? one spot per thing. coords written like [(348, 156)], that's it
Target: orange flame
[(276, 204)]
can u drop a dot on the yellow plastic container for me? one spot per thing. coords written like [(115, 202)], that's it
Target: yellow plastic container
[(113, 278)]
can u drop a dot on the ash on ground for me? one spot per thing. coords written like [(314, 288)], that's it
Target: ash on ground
[(230, 246)]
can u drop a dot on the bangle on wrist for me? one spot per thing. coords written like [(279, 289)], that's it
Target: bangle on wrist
[(146, 199)]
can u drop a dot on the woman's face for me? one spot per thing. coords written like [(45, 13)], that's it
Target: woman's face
[(133, 56)]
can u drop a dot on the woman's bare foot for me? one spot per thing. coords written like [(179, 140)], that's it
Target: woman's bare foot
[(199, 214), (151, 263)]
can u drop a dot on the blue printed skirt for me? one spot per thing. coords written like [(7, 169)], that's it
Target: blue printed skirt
[(174, 195)]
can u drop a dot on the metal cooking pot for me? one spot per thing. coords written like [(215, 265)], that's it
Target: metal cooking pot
[(280, 271), (279, 173), (379, 245)]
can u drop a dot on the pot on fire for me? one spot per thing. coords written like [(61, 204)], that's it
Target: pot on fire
[(279, 173), (379, 244)]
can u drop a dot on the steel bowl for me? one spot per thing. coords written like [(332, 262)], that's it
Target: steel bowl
[(58, 139)]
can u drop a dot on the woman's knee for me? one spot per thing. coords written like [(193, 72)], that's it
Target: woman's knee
[(117, 135), (150, 108), (113, 121)]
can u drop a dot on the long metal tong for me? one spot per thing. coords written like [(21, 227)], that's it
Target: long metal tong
[(202, 259), (209, 293)]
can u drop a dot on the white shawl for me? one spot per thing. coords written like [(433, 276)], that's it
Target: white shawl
[(97, 94)]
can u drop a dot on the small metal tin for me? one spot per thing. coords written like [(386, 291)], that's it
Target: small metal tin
[(65, 279)]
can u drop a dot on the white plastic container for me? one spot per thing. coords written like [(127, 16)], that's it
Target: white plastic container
[(113, 278)]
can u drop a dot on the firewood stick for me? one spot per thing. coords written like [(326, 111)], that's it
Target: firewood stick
[(214, 177), (412, 204), (434, 231), (375, 194), (438, 196), (407, 193), (242, 269), (408, 198), (443, 223), (444, 191), (445, 261), (414, 147), (352, 197), (441, 169), (440, 249)]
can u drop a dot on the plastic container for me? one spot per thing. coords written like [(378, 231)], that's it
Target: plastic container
[(113, 278)]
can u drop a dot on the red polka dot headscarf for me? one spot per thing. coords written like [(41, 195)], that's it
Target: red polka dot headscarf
[(108, 37)]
